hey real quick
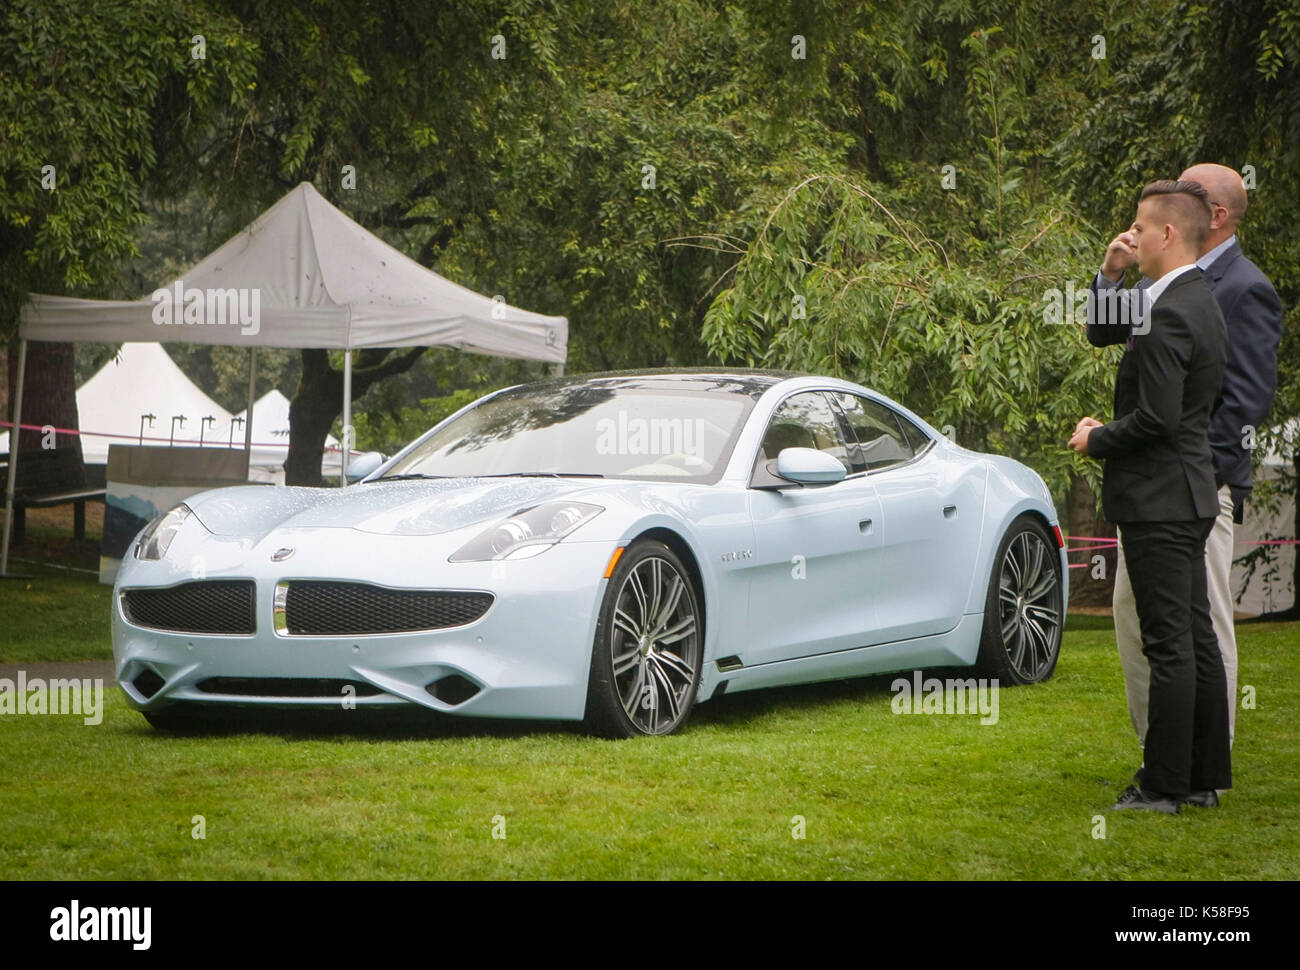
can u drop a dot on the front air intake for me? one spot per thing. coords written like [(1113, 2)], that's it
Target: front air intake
[(453, 689), (327, 608), (295, 687), (148, 683), (216, 606)]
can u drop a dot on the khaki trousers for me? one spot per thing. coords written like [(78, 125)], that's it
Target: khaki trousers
[(1128, 636)]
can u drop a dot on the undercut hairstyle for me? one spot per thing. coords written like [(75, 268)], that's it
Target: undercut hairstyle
[(1183, 204)]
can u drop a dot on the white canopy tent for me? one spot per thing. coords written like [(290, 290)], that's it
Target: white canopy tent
[(143, 380), (300, 275)]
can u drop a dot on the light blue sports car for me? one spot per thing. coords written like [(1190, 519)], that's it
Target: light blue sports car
[(612, 548)]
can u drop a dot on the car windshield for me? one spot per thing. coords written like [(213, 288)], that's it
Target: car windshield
[(657, 430)]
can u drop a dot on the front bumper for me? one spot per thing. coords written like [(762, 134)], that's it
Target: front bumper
[(528, 656)]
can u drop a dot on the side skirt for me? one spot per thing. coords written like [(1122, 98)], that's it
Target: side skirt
[(959, 647)]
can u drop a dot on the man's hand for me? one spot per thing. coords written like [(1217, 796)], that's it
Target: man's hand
[(1120, 255), (1079, 440)]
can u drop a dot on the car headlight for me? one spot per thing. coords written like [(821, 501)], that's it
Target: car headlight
[(527, 533), (161, 531)]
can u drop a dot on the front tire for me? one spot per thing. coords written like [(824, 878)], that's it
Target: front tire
[(646, 659), (1023, 610)]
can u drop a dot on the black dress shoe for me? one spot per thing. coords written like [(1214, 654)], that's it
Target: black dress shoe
[(1201, 799), (1141, 798)]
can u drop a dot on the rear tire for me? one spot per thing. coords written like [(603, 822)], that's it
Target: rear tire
[(646, 659), (1023, 609)]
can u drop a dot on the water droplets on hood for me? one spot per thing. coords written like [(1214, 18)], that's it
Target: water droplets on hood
[(418, 507)]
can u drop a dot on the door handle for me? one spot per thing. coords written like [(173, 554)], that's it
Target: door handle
[(950, 511), (865, 527)]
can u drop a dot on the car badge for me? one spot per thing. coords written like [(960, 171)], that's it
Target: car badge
[(280, 555)]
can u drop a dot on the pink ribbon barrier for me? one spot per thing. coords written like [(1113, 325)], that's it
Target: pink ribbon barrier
[(1104, 542), (139, 438)]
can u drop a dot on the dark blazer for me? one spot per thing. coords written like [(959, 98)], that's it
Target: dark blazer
[(1253, 315), (1158, 462)]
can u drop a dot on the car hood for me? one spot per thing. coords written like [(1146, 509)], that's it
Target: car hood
[(412, 508)]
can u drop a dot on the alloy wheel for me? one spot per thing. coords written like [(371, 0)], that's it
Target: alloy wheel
[(655, 646), (1029, 599)]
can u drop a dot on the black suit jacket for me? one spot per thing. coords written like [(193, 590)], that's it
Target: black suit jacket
[(1253, 315), (1158, 462)]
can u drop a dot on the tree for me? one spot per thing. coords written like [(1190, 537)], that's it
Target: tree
[(948, 288), (92, 94), (358, 101), (644, 126)]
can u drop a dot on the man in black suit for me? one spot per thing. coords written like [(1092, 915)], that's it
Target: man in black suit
[(1158, 485), (1253, 314)]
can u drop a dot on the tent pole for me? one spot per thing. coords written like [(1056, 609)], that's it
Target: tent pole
[(14, 434), (347, 416), (248, 416)]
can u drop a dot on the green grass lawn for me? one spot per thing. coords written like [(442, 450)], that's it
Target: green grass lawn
[(882, 796), (55, 615)]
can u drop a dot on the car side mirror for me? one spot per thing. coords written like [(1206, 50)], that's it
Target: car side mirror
[(361, 466), (808, 466)]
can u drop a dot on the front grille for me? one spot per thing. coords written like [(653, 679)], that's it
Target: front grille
[(322, 608), (286, 687), (206, 606)]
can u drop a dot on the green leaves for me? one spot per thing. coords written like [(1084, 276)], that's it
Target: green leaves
[(956, 332), (89, 95)]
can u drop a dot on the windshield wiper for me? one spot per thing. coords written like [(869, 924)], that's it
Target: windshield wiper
[(544, 475), (407, 477)]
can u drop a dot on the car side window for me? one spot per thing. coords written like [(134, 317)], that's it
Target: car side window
[(805, 420), (917, 438), (881, 441)]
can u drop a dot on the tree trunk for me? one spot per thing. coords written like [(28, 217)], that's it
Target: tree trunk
[(49, 395), (319, 400), (1081, 514), (311, 413)]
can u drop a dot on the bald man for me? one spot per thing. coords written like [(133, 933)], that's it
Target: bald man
[(1253, 314)]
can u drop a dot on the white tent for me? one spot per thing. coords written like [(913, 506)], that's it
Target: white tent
[(321, 280), (143, 380), (302, 274), (271, 439), (1269, 590)]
